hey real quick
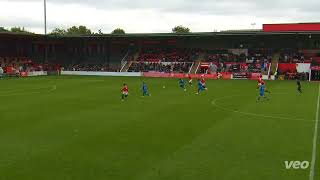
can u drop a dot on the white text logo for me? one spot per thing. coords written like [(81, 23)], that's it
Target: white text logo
[(296, 164)]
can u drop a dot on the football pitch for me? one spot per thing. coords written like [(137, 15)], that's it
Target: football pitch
[(77, 128)]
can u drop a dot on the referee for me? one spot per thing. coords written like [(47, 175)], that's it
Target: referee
[(299, 86)]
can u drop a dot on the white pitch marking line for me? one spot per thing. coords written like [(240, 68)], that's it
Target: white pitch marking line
[(26, 93), (13, 91), (18, 94), (315, 136), (214, 102), (53, 88)]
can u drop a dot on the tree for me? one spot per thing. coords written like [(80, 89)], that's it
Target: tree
[(19, 30), (81, 30), (118, 31), (2, 29), (98, 33), (180, 29), (58, 32)]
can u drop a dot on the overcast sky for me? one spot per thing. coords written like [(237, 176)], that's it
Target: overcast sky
[(141, 16)]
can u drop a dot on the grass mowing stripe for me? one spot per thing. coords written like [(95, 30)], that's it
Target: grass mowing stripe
[(314, 149)]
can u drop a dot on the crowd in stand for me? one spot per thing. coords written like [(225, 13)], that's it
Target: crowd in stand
[(182, 67), (164, 60), (291, 56), (19, 64), (228, 61), (221, 60), (212, 57), (90, 67), (168, 55), (22, 64), (249, 57), (179, 60)]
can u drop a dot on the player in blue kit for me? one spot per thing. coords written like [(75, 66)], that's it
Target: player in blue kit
[(262, 91), (182, 84), (200, 86), (145, 89)]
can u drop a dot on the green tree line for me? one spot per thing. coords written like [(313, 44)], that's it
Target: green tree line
[(15, 30), (83, 30)]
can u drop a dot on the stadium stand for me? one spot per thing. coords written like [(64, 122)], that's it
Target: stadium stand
[(164, 60), (90, 67), (199, 53), (235, 60), (183, 67), (167, 55)]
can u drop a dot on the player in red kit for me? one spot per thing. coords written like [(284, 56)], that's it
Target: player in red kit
[(190, 79), (259, 82), (125, 91)]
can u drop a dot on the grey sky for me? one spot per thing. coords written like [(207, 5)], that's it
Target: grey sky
[(156, 16)]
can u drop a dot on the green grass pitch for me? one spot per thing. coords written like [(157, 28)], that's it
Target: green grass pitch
[(77, 128)]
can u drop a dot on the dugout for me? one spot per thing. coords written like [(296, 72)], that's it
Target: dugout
[(315, 73)]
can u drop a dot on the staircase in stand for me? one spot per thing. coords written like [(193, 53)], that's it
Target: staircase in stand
[(197, 63), (127, 65), (274, 64)]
